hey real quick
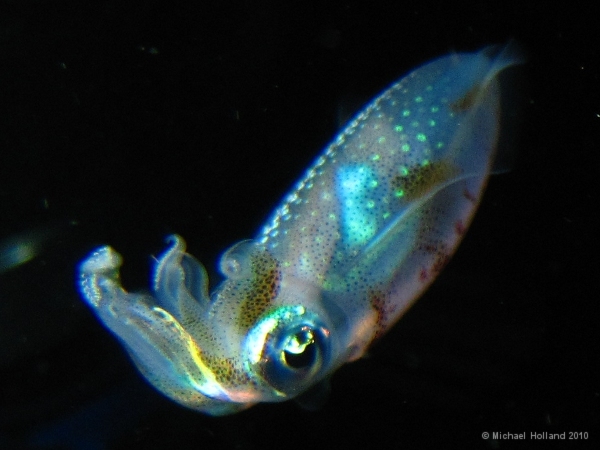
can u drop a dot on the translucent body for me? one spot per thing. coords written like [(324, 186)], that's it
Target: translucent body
[(366, 230)]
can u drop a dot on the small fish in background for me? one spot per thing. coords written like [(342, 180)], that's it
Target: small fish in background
[(20, 248), (350, 249)]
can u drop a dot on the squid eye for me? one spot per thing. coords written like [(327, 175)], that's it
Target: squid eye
[(300, 349), (288, 349)]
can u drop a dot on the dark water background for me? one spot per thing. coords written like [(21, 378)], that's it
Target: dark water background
[(124, 121)]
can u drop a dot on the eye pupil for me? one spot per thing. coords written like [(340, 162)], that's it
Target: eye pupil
[(300, 350)]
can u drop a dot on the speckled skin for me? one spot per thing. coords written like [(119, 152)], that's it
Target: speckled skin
[(367, 229)]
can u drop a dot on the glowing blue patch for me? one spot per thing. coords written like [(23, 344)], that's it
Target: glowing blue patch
[(354, 188)]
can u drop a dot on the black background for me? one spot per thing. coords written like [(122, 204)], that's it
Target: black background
[(123, 121)]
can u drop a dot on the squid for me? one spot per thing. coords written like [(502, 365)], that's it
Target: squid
[(359, 238)]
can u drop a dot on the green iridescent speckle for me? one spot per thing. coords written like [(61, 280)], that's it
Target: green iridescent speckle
[(373, 183), (425, 162), (370, 204), (406, 113), (381, 140), (432, 123), (435, 109), (386, 214), (403, 170), (399, 193), (375, 157), (419, 99), (405, 147), (398, 128), (421, 137), (439, 145)]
